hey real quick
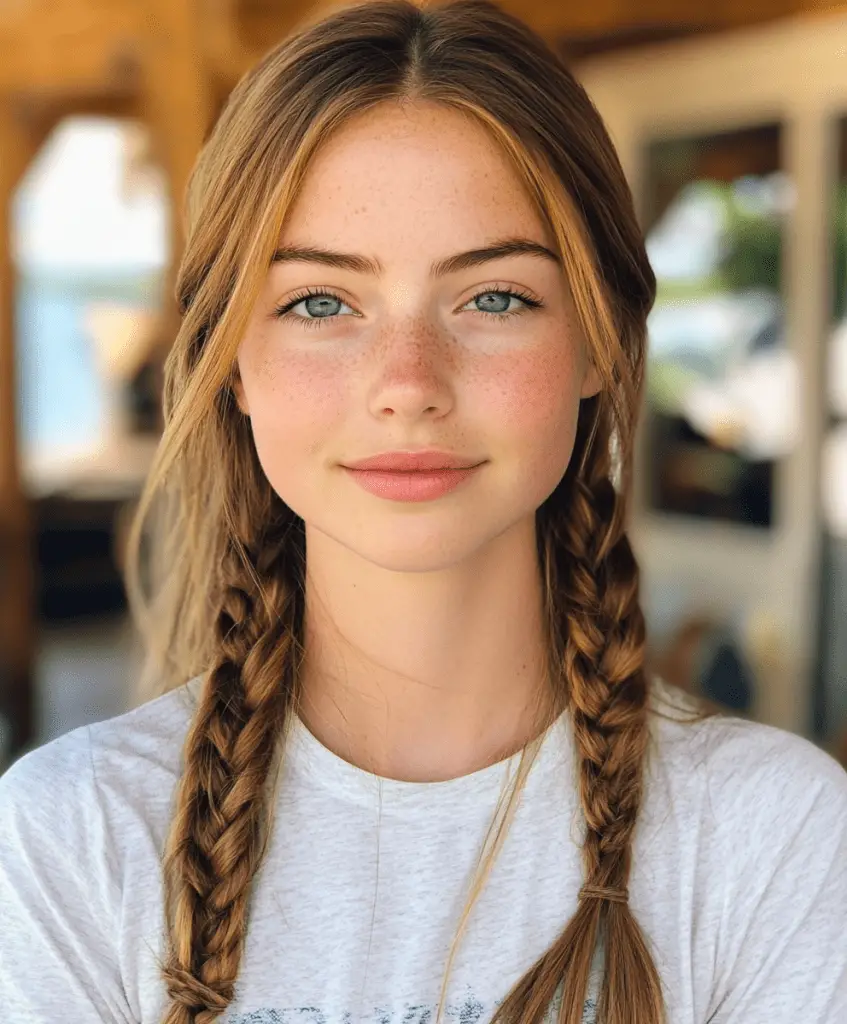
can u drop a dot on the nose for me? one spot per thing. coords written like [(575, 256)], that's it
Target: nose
[(413, 373)]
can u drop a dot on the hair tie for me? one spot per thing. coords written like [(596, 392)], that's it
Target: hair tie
[(600, 893)]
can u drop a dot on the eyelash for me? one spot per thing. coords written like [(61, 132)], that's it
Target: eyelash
[(283, 312)]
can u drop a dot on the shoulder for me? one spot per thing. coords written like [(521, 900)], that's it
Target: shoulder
[(127, 761), (147, 741), (83, 818), (36, 776), (742, 772)]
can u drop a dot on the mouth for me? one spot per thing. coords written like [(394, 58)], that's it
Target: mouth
[(412, 485)]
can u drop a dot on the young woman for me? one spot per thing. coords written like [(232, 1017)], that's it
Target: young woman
[(406, 763)]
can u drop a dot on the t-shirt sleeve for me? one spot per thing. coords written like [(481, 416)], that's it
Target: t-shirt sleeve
[(58, 891), (783, 936)]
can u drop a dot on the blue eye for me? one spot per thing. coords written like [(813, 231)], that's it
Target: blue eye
[(495, 306), (496, 302), (319, 305)]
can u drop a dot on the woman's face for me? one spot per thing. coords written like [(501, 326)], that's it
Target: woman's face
[(386, 351)]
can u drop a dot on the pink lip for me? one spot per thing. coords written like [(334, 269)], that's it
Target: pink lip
[(412, 485), (421, 461)]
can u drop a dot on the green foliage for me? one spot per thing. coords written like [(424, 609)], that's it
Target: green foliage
[(754, 251), (753, 256)]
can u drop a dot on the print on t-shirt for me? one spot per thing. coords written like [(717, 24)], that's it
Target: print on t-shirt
[(470, 1010)]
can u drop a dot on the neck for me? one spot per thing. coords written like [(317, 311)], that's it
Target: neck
[(425, 676)]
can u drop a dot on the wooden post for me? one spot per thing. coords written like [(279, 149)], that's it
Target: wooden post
[(17, 612), (178, 103)]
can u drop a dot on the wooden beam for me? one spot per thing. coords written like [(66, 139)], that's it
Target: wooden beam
[(69, 46), (18, 146), (226, 55), (178, 103)]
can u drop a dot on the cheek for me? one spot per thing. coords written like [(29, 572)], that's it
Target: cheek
[(534, 396), (295, 402)]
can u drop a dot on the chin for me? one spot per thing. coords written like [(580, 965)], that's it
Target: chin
[(404, 548), (431, 554)]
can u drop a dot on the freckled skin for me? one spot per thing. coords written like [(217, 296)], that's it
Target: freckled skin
[(426, 652), (420, 365)]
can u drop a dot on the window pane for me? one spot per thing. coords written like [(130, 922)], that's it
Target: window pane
[(722, 390)]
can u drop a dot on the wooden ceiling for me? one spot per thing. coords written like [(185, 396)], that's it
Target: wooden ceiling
[(90, 48)]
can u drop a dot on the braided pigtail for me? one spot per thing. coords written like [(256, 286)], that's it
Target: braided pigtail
[(597, 631), (608, 689), (222, 816)]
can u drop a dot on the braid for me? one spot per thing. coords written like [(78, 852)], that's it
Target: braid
[(221, 821), (608, 691), (597, 637), (603, 662)]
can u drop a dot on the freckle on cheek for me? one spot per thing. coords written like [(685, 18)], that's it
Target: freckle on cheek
[(531, 385), (311, 383), (268, 370), (552, 383)]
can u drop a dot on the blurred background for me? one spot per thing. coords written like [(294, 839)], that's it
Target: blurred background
[(730, 119)]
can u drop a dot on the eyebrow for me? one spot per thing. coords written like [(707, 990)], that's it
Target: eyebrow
[(450, 265)]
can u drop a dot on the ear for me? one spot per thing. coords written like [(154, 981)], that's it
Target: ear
[(591, 382)]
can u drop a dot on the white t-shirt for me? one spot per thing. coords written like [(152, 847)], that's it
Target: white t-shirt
[(739, 879)]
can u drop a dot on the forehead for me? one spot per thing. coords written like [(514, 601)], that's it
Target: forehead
[(412, 170)]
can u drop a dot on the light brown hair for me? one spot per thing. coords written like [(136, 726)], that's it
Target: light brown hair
[(220, 592)]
